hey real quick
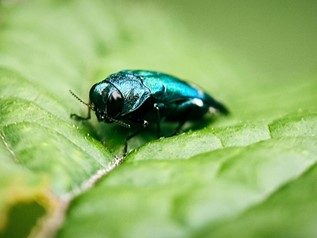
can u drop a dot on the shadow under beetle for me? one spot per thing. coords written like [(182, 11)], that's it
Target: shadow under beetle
[(136, 98)]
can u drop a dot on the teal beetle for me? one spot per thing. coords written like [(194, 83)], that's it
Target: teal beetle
[(140, 97)]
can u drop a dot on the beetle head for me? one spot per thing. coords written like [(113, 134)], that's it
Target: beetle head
[(107, 101)]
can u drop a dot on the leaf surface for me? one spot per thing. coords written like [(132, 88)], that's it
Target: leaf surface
[(250, 174)]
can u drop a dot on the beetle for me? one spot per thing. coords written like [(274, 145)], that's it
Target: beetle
[(137, 98)]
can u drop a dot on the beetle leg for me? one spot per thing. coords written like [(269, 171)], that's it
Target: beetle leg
[(125, 149), (186, 109), (178, 128), (80, 118), (77, 117), (158, 118)]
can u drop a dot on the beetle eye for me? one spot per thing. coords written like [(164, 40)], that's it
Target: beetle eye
[(114, 104)]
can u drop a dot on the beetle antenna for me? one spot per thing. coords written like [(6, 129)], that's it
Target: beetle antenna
[(79, 99), (109, 118), (120, 123)]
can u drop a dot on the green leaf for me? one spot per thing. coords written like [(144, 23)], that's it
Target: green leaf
[(250, 174)]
